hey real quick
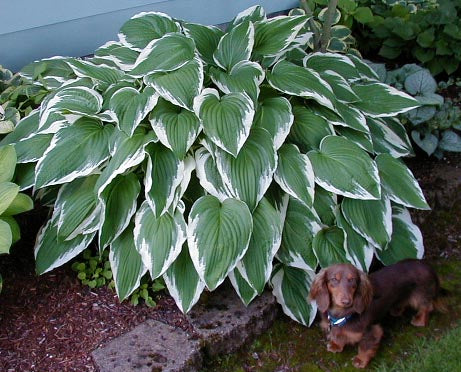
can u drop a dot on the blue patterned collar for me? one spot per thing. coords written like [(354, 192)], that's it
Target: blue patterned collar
[(338, 322)]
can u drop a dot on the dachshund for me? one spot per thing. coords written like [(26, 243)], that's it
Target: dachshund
[(352, 303)]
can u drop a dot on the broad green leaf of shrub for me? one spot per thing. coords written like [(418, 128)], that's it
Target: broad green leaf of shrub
[(252, 14), (7, 162), (325, 205), (420, 83), (329, 246), (427, 141), (75, 151), (183, 282), (218, 235), (361, 139), (100, 73), (20, 204), (342, 167), (363, 15), (131, 107), (370, 218), (25, 175), (25, 128), (389, 137), (206, 39), (6, 237), (399, 183), (226, 120), (351, 117), (123, 56), (291, 288), (338, 63), (32, 148), (244, 290), (208, 175), (8, 192), (340, 86), (126, 264), (450, 141), (52, 71)]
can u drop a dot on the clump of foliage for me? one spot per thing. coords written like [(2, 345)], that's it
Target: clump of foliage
[(196, 155)]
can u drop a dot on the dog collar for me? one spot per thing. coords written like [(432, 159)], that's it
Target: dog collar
[(338, 322)]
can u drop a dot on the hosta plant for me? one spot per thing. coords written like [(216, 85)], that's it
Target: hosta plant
[(198, 155)]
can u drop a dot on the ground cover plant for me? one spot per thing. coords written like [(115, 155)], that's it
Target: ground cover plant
[(196, 154)]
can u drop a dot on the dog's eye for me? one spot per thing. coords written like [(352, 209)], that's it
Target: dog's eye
[(333, 281)]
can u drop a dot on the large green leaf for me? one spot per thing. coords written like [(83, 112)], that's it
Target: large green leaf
[(158, 240), (26, 127), (389, 137), (329, 246), (208, 175), (74, 152), (218, 235), (299, 81), (115, 52), (244, 290), (126, 264), (338, 63), (325, 204), (252, 14), (370, 218), (101, 73), (6, 237), (291, 288), (8, 192), (226, 120), (342, 167), (7, 162), (340, 86), (206, 39), (32, 148), (20, 204)]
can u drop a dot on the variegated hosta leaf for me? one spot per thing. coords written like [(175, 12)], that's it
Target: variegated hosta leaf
[(206, 39), (382, 100), (54, 122), (164, 174), (242, 287), (340, 86), (291, 288), (158, 240), (144, 27), (362, 67), (256, 266), (325, 204), (126, 264), (308, 128), (301, 225), (399, 183), (26, 127), (370, 218), (168, 53), (299, 81), (218, 235), (235, 46), (338, 63), (131, 107), (126, 152), (8, 160), (226, 120), (253, 14), (361, 139), (189, 167), (249, 175), (274, 114), (389, 137), (53, 72), (32, 149), (123, 56), (8, 191), (102, 73), (74, 152), (179, 86), (244, 76), (342, 167), (295, 175), (6, 237), (25, 175), (51, 252), (274, 35), (175, 127), (119, 202), (352, 117), (407, 240), (183, 282), (208, 175), (329, 246)]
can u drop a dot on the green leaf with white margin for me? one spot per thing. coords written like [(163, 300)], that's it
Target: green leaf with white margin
[(357, 248), (100, 73), (74, 152), (164, 174), (183, 282), (175, 127), (294, 174), (235, 46), (25, 175), (208, 175), (299, 81), (325, 204), (32, 148), (179, 86), (370, 218), (399, 183), (123, 56), (361, 139), (352, 117), (363, 67), (291, 288), (256, 266), (168, 53), (127, 152), (144, 27), (249, 175), (329, 246), (301, 225), (7, 162), (253, 14), (206, 39), (382, 100), (119, 203), (274, 114), (274, 35), (407, 240), (308, 128), (340, 86), (126, 264), (242, 287), (6, 237), (338, 63), (244, 76), (226, 120), (20, 204), (51, 253), (342, 167), (158, 240), (389, 137), (8, 192), (26, 127), (131, 107), (218, 235)]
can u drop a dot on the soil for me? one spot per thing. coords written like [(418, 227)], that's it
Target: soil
[(52, 322)]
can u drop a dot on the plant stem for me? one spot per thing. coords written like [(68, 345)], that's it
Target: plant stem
[(326, 32), (312, 24)]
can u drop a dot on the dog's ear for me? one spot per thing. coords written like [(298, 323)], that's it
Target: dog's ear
[(319, 291), (363, 294)]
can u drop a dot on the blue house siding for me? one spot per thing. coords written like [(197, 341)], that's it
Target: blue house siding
[(32, 30)]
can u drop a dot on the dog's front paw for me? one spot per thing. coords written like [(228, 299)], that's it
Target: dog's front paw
[(359, 362), (334, 348)]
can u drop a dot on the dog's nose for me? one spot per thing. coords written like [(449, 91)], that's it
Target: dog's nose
[(346, 302)]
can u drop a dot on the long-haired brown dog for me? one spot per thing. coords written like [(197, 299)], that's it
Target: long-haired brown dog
[(352, 303)]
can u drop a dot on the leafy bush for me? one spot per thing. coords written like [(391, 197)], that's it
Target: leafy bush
[(197, 154)]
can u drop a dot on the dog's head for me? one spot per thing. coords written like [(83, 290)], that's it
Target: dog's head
[(342, 287)]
